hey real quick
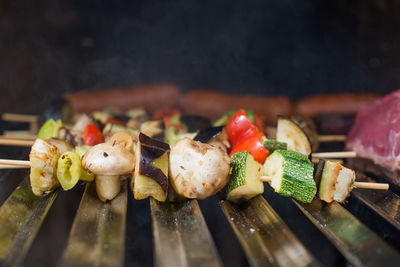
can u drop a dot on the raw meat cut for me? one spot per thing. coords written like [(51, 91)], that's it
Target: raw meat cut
[(376, 132)]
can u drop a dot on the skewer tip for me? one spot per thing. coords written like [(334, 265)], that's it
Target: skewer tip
[(366, 185)]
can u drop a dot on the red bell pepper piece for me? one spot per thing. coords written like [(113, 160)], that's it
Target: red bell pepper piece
[(92, 135), (240, 128), (256, 148), (165, 112), (243, 136), (114, 121)]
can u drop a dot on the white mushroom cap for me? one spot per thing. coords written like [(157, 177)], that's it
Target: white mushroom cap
[(106, 159), (198, 170)]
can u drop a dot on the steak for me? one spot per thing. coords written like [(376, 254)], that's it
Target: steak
[(376, 132)]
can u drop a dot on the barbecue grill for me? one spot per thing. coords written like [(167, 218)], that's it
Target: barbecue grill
[(76, 229), (266, 48)]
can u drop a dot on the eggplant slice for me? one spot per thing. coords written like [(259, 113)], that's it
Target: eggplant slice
[(291, 133), (308, 126)]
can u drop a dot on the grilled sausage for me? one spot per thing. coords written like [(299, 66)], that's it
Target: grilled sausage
[(340, 103), (149, 97), (214, 104)]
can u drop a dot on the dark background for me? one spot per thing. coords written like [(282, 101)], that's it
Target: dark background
[(263, 47)]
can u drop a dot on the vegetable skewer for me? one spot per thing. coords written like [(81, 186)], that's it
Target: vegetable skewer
[(246, 181), (332, 179)]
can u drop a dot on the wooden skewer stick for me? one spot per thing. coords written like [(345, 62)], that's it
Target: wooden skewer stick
[(19, 137), (13, 142), (366, 185), (33, 120), (19, 134), (16, 132), (271, 133), (14, 162), (315, 160), (265, 178), (331, 138), (5, 166), (19, 117), (335, 155)]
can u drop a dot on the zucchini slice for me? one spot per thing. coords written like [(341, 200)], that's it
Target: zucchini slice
[(336, 181), (273, 145), (291, 174), (244, 182), (291, 133)]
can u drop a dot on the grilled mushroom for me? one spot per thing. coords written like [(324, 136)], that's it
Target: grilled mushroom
[(108, 162), (123, 139), (61, 145), (198, 170), (43, 160)]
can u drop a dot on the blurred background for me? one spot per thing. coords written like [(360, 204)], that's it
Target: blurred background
[(280, 47)]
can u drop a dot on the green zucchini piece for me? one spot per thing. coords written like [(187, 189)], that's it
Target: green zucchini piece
[(171, 135), (244, 182), (291, 174), (112, 128), (336, 182), (85, 176), (291, 133), (50, 129), (69, 169), (273, 145), (101, 116)]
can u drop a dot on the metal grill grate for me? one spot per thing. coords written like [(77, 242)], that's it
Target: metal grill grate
[(181, 236)]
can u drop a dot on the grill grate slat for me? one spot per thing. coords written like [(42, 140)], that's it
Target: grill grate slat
[(358, 244), (385, 203), (181, 236), (20, 219), (97, 236), (265, 238)]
